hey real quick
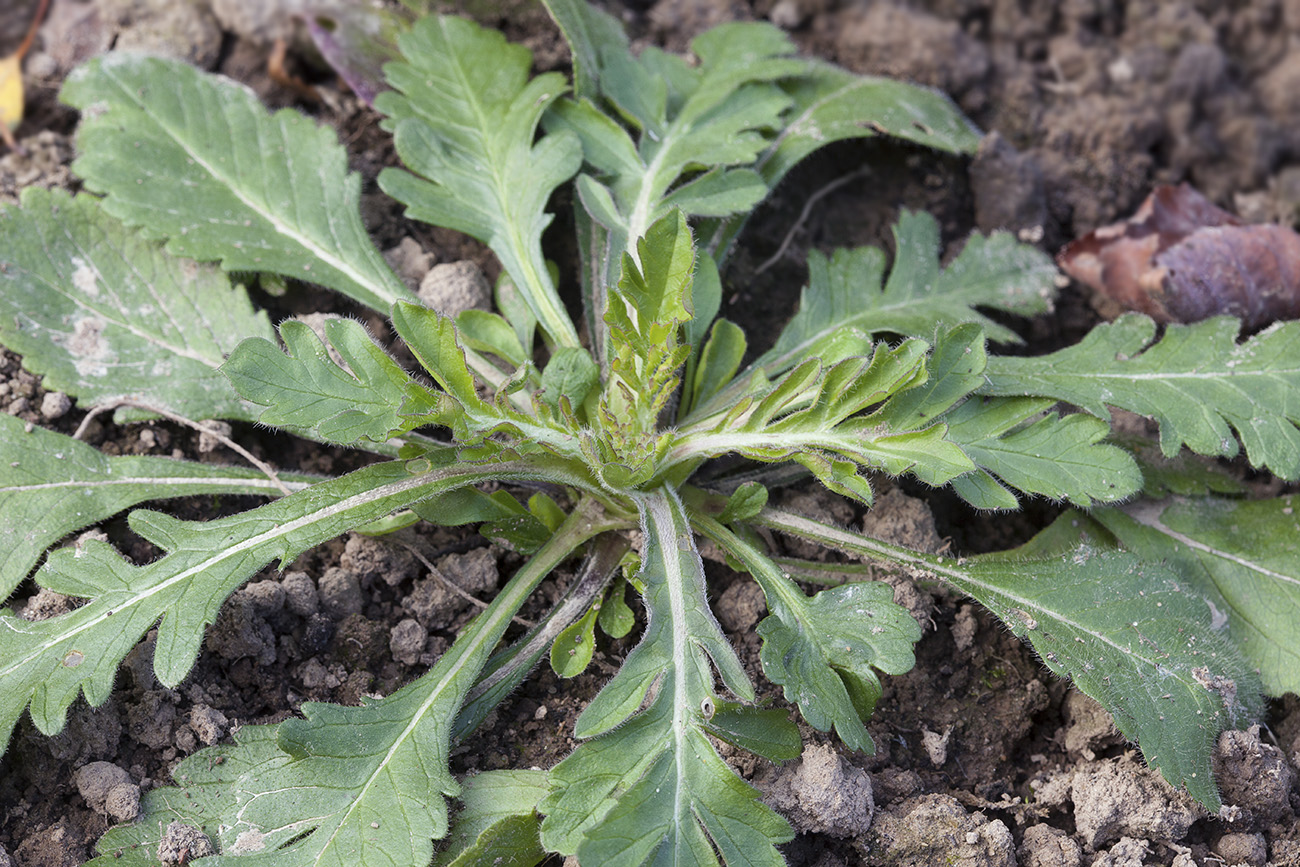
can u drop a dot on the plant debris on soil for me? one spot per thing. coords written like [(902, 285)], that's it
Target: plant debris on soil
[(983, 757)]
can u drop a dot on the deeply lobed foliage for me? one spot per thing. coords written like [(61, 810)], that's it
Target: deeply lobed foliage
[(1175, 625)]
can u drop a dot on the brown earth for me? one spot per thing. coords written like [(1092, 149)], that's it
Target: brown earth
[(982, 757)]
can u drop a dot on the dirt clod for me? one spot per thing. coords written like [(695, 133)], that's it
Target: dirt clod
[(1242, 849), (209, 724), (453, 287), (407, 640), (936, 829), (741, 606), (1046, 846), (1254, 776), (823, 793), (340, 593), (182, 843), (1122, 798)]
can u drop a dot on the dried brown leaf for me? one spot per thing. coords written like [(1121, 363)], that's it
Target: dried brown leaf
[(1180, 258)]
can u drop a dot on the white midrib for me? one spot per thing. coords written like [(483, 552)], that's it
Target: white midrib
[(1150, 518), (342, 266), (944, 568), (226, 554), (665, 536), (179, 482)]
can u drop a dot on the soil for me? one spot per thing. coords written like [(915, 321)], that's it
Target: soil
[(982, 757)]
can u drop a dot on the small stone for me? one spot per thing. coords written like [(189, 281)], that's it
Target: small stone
[(182, 843), (407, 640), (409, 261), (209, 724), (18, 406), (340, 593), (55, 404), (455, 287), (210, 437)]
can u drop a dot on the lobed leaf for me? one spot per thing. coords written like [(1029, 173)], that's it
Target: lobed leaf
[(1243, 556), (1133, 635), (1029, 449), (105, 315), (375, 777), (52, 485), (651, 789), (47, 663), (195, 159), (464, 115), (824, 650), (1204, 388), (367, 396), (846, 291), (497, 822)]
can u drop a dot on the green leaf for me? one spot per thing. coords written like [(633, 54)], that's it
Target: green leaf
[(1244, 557), (464, 116), (811, 415), (590, 32), (52, 485), (1133, 635), (701, 124), (573, 648), (106, 315), (824, 650), (616, 618), (375, 777), (570, 374), (196, 159), (497, 823), (768, 733), (367, 397), (490, 333), (748, 500), (47, 663), (1197, 381), (719, 361), (1039, 452), (653, 790), (831, 104), (994, 272)]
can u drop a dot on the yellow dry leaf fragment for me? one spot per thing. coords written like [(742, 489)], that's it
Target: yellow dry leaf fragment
[(11, 96)]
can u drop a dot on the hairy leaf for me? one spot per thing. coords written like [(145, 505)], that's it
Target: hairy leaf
[(52, 485), (1197, 381), (813, 415), (1062, 457), (195, 159), (822, 650), (846, 292), (1135, 636), (497, 823), (47, 663), (367, 397), (106, 315), (653, 790), (1244, 557), (700, 124), (464, 116)]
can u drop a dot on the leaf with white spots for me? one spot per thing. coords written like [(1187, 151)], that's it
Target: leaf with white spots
[(106, 315), (197, 160)]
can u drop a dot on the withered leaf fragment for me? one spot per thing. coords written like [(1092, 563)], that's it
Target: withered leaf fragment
[(1181, 258)]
